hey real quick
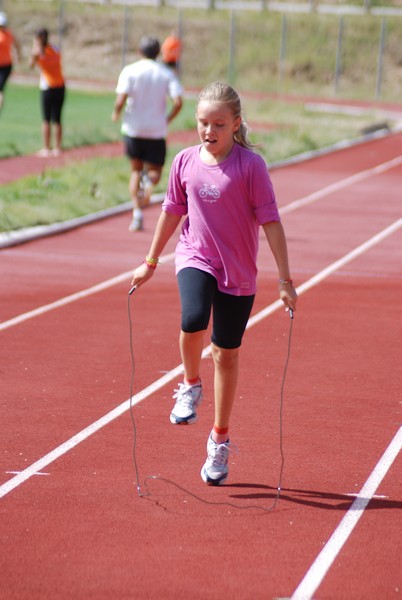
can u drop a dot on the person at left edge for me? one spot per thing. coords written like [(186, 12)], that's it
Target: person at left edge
[(8, 41)]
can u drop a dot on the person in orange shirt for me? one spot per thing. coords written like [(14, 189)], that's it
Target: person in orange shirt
[(7, 42), (52, 86), (171, 50)]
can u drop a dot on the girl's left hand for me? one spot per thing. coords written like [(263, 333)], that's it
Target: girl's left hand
[(288, 295), (141, 275)]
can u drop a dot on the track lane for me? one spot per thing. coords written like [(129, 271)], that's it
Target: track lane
[(320, 356), (308, 511), (176, 371)]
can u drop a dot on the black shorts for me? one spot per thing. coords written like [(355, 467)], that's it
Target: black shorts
[(52, 103), (145, 149), (5, 73), (198, 294)]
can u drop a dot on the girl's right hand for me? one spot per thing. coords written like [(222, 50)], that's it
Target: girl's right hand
[(141, 275)]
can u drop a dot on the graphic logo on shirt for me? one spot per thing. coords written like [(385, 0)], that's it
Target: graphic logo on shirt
[(209, 193)]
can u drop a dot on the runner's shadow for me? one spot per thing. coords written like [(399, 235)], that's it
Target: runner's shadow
[(313, 498)]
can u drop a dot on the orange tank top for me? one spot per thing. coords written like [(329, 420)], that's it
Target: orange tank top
[(50, 65), (6, 44)]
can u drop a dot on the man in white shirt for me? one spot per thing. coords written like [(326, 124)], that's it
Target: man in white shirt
[(144, 88)]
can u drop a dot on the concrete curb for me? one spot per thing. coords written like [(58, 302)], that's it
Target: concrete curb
[(27, 234), (380, 133)]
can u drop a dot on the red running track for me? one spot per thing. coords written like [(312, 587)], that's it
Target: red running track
[(72, 523)]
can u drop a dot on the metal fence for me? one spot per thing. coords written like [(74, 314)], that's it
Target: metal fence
[(298, 52)]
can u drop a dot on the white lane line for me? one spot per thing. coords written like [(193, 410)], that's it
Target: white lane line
[(63, 301), (104, 285), (340, 185), (159, 383), (43, 462), (375, 496), (351, 256), (17, 472), (343, 183), (335, 266), (316, 573)]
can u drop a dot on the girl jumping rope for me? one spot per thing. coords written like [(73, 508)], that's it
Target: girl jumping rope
[(223, 188)]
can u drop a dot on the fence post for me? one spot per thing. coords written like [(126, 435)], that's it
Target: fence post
[(232, 49), (124, 42), (61, 24), (180, 35), (380, 59), (282, 50), (338, 60)]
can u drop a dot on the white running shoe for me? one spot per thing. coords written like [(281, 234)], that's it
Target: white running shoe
[(136, 223), (44, 153), (188, 398), (145, 189), (215, 470)]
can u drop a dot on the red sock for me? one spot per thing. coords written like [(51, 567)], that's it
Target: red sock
[(192, 381), (220, 434)]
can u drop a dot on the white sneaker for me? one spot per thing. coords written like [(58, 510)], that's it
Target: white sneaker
[(145, 189), (188, 398), (215, 470), (44, 153), (136, 224)]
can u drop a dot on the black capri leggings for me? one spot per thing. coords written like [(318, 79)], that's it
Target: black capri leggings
[(52, 103), (198, 294), (5, 73)]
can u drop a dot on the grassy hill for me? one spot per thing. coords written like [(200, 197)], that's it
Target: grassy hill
[(270, 52)]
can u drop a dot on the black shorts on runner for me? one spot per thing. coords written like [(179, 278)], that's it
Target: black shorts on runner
[(52, 103), (199, 294), (146, 149), (5, 73)]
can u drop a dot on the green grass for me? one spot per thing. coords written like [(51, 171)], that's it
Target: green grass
[(86, 119), (295, 129), (82, 188), (62, 194)]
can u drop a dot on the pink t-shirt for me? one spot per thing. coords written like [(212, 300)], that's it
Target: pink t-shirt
[(225, 204)]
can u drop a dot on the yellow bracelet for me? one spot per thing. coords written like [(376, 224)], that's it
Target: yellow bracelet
[(149, 265), (152, 261)]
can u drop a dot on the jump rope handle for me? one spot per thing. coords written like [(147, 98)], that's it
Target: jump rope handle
[(290, 312)]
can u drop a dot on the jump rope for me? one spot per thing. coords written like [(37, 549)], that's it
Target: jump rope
[(146, 492)]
